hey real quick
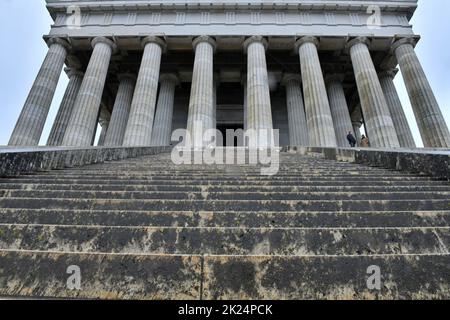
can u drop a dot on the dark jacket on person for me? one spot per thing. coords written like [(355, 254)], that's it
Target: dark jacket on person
[(351, 139)]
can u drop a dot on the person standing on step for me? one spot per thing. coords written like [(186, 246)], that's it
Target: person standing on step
[(351, 139), (365, 142)]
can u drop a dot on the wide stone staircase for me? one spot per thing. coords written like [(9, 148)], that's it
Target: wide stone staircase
[(148, 229)]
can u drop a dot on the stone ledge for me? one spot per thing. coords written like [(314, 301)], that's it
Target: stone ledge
[(430, 162), (14, 162)]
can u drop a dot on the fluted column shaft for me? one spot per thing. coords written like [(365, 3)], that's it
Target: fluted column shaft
[(373, 103), (401, 125), (121, 111), (83, 121), (339, 109), (103, 133), (432, 126), (162, 129), (29, 126), (298, 128), (259, 108), (357, 130), (317, 107), (201, 111), (140, 123), (65, 109)]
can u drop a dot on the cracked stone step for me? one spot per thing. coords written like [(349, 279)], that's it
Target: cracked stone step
[(138, 195), (114, 276), (225, 241), (251, 219)]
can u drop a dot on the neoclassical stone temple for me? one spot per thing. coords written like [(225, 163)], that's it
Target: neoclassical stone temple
[(314, 69)]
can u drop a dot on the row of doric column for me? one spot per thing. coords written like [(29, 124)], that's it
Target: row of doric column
[(318, 113)]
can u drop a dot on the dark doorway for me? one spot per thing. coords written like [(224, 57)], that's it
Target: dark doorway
[(223, 129)]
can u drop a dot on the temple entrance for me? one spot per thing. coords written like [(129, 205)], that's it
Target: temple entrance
[(223, 129)]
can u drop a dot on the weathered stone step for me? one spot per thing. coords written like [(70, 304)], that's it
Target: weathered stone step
[(132, 182), (218, 188), (224, 175), (231, 177), (238, 180), (103, 276), (169, 195), (251, 219), (251, 170), (225, 241), (227, 168), (227, 205), (115, 276)]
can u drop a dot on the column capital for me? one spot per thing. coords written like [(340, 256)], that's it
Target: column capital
[(257, 39), (169, 77), (126, 76), (391, 73), (358, 40), (207, 39), (334, 77), (60, 41), (107, 41), (409, 40), (152, 39), (71, 72), (288, 77), (307, 39)]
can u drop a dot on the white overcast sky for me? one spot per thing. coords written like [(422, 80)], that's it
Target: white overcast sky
[(23, 22)]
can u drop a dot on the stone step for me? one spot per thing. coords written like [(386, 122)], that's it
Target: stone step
[(116, 276), (205, 195), (103, 276), (227, 205), (232, 177), (250, 219), (218, 188), (218, 183), (220, 180), (150, 171), (225, 241)]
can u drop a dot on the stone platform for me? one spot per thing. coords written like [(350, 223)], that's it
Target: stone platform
[(144, 228)]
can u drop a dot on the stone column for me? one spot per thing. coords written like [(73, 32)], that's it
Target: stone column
[(103, 133), (373, 103), (29, 126), (140, 123), (317, 107), (401, 125), (357, 129), (259, 108), (65, 109), (432, 126), (339, 109), (83, 121), (121, 111), (162, 129), (298, 128), (201, 102), (357, 122)]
